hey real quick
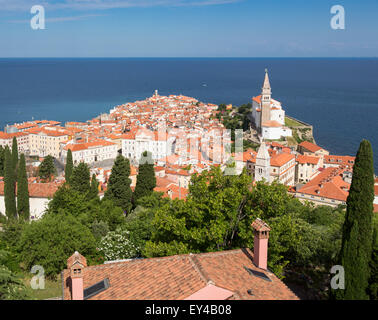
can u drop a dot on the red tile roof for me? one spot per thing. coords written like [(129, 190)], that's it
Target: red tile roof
[(328, 184), (257, 99), (310, 146), (340, 160), (307, 159), (178, 277), (271, 123), (88, 145), (6, 136), (280, 159), (38, 190)]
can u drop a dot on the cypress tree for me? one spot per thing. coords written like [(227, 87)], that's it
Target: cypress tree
[(373, 281), (356, 247), (93, 192), (80, 178), (9, 186), (69, 166), (1, 161), (14, 154), (118, 189), (22, 190), (46, 168), (146, 180)]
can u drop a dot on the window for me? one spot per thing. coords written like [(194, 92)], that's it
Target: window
[(258, 274), (96, 288)]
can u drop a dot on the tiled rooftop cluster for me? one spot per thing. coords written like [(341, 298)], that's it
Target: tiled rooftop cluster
[(225, 275)]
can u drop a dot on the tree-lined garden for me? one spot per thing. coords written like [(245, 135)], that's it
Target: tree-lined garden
[(305, 241)]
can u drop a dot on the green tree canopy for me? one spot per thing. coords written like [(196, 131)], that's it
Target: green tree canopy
[(14, 154), (119, 190), (47, 169), (11, 286), (23, 206), (93, 191), (2, 160), (356, 248), (206, 221), (139, 221), (80, 179), (50, 241), (67, 201), (373, 281), (219, 211), (69, 166), (146, 180), (9, 186)]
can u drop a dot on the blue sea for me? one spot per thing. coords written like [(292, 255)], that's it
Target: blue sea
[(339, 97)]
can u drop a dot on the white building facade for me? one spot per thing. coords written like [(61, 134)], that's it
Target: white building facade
[(6, 139), (159, 146), (90, 152)]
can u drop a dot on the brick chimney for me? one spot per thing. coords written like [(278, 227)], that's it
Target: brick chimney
[(260, 245), (76, 264)]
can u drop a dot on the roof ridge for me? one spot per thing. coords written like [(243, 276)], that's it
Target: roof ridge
[(218, 252), (135, 260), (197, 266)]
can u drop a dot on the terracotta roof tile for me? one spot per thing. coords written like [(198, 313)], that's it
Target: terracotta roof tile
[(280, 159), (328, 184), (307, 159), (310, 146), (178, 277), (38, 190)]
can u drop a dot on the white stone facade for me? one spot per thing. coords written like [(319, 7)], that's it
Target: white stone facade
[(159, 147)]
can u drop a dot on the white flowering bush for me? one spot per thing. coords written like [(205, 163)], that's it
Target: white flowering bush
[(118, 245)]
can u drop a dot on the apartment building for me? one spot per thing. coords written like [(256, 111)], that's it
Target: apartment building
[(6, 139), (307, 168), (330, 187), (90, 152), (44, 141)]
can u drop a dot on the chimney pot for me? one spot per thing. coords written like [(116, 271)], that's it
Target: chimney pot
[(76, 264), (260, 246)]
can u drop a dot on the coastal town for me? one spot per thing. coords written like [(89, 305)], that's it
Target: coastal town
[(188, 151), (188, 158), (185, 136)]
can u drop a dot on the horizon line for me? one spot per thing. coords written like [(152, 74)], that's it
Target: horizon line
[(209, 57)]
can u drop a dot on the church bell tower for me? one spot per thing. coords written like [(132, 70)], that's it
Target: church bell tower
[(262, 167), (266, 96)]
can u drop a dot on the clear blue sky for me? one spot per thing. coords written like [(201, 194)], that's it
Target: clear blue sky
[(189, 28)]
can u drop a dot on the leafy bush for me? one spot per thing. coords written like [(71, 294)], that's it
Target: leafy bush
[(99, 229), (52, 240), (118, 245), (11, 286)]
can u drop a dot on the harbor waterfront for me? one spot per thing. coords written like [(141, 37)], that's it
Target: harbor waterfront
[(337, 96)]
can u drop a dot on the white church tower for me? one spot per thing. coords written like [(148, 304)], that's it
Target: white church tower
[(262, 167)]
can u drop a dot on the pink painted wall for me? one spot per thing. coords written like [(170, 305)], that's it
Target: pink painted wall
[(211, 292), (77, 289), (260, 252)]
